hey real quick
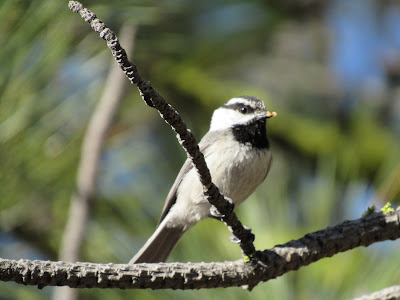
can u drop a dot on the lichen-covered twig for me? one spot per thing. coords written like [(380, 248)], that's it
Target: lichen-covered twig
[(171, 116), (274, 262)]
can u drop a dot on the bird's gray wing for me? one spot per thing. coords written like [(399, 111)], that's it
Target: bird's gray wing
[(204, 144)]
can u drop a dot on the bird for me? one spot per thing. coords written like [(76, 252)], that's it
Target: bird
[(237, 152)]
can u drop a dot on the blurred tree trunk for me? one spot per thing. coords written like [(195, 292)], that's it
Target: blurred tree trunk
[(93, 142)]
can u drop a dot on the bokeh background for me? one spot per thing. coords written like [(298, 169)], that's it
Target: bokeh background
[(331, 69)]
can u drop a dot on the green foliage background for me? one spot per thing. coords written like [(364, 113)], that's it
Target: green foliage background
[(329, 164)]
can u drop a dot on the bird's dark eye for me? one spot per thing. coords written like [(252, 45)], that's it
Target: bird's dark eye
[(244, 110)]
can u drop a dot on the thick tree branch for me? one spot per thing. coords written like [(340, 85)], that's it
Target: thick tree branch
[(274, 262), (171, 116)]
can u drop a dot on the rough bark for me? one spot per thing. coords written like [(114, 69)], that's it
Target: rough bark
[(270, 264)]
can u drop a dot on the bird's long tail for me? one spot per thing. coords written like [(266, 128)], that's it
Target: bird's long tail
[(160, 245)]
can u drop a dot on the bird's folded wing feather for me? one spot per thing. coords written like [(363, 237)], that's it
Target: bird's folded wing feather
[(206, 142)]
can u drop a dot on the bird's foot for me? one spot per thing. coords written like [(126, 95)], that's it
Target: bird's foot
[(216, 214), (234, 239)]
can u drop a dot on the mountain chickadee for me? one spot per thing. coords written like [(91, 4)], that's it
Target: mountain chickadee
[(236, 150)]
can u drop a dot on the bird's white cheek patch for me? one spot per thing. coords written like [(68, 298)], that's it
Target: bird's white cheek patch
[(225, 118)]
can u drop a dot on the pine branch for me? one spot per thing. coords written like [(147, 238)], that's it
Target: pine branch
[(275, 262), (171, 116)]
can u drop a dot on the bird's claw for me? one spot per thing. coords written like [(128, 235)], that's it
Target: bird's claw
[(216, 214), (234, 239)]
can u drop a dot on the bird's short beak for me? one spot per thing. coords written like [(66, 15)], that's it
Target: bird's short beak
[(271, 114), (265, 115)]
